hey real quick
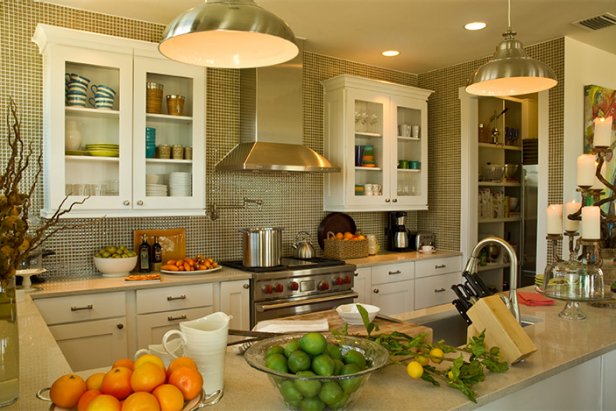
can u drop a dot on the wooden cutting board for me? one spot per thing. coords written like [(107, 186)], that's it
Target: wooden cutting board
[(385, 327)]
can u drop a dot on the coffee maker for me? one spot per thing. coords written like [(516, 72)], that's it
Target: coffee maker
[(396, 232)]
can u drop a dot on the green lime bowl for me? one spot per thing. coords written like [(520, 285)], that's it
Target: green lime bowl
[(334, 392)]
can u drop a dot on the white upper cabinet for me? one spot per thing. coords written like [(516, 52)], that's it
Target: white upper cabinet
[(376, 132), (97, 154)]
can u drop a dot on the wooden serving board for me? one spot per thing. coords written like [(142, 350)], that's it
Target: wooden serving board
[(385, 327)]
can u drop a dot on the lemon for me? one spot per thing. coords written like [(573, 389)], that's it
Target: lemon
[(414, 370), (436, 355)]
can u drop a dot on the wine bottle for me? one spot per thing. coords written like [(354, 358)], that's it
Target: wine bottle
[(157, 255), (144, 255)]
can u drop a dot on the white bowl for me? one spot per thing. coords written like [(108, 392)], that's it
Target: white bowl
[(115, 267), (350, 314)]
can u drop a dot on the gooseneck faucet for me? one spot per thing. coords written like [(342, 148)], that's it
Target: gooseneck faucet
[(471, 268)]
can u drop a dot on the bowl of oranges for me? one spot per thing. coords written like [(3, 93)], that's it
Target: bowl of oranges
[(128, 385), (314, 371)]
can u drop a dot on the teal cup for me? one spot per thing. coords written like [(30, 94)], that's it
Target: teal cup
[(414, 165), (403, 164)]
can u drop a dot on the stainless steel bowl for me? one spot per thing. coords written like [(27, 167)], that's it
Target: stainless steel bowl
[(511, 171), (492, 172)]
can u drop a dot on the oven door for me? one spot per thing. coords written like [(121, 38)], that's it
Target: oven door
[(268, 310)]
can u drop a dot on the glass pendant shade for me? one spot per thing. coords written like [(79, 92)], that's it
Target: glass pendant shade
[(510, 72), (228, 34)]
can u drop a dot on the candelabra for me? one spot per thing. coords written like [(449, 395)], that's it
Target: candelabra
[(580, 278)]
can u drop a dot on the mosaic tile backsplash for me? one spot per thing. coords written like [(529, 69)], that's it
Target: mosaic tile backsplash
[(290, 200)]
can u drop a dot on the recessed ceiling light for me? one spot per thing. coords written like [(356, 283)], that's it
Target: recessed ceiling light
[(390, 53), (475, 25)]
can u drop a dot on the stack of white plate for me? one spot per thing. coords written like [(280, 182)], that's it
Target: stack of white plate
[(180, 184), (156, 190)]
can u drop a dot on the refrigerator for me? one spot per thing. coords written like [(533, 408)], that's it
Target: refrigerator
[(528, 249)]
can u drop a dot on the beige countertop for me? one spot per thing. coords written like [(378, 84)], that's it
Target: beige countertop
[(561, 345), (391, 257)]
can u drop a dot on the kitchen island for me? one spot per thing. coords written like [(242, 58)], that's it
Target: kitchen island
[(573, 358)]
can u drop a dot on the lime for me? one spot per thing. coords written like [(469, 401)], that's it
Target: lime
[(274, 349), (308, 388), (331, 393), (355, 357), (350, 385), (313, 343), (341, 403), (414, 370), (436, 355), (290, 347), (323, 365), (299, 361), (333, 351), (290, 393), (312, 404), (276, 362), (338, 364)]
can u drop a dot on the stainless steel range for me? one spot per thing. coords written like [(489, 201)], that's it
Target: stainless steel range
[(297, 287)]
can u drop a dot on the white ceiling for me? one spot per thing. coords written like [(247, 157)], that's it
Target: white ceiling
[(428, 33)]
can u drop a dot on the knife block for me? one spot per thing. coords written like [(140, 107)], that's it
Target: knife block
[(501, 329)]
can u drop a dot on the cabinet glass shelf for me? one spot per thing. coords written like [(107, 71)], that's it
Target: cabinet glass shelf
[(92, 158), (369, 168), (499, 147), (401, 138), (86, 111), (367, 134), (168, 117), (499, 184), (167, 161), (409, 170)]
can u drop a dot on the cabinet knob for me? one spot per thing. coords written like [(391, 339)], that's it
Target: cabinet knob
[(440, 266), (120, 326), (85, 307), (180, 297), (376, 291), (140, 202), (439, 290), (126, 203), (395, 272), (395, 200), (179, 317), (387, 200), (246, 286), (356, 274)]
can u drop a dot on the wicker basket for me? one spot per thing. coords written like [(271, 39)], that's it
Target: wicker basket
[(344, 249)]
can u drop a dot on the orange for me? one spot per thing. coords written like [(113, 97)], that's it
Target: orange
[(169, 397), (149, 358), (116, 382), (147, 376), (188, 380), (86, 398), (124, 362), (66, 390), (348, 236), (181, 362), (339, 236), (94, 381), (141, 401), (104, 402)]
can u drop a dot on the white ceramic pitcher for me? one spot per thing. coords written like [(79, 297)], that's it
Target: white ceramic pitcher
[(205, 341)]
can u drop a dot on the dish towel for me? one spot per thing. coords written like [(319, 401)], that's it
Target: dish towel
[(291, 326), (534, 299)]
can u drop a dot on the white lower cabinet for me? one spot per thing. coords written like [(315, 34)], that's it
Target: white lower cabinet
[(235, 301), (162, 309), (362, 285), (435, 290), (87, 323), (393, 298)]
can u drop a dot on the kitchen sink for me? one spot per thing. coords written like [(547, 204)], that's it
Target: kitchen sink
[(451, 327)]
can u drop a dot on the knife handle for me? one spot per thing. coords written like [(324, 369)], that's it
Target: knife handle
[(481, 284), (460, 307), (458, 289)]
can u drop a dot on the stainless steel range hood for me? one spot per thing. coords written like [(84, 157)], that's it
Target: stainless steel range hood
[(271, 123)]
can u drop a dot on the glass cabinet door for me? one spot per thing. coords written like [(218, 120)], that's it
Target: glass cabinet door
[(409, 175), (370, 151), (168, 135), (91, 151)]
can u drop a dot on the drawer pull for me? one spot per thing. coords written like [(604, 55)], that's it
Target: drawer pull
[(179, 317), (120, 326), (246, 286), (87, 307), (376, 291), (440, 266), (440, 290), (181, 297), (395, 272)]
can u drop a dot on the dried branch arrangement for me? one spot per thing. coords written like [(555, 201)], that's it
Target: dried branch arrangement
[(16, 238)]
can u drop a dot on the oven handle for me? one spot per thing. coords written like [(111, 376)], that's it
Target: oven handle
[(267, 307)]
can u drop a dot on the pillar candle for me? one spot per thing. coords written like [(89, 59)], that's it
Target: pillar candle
[(603, 132), (555, 219), (598, 185), (586, 170), (571, 208), (591, 223)]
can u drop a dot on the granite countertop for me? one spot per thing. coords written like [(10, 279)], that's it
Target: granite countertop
[(561, 345), (393, 257)]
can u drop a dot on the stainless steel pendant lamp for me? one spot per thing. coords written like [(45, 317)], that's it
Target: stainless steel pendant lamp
[(510, 72), (228, 34)]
